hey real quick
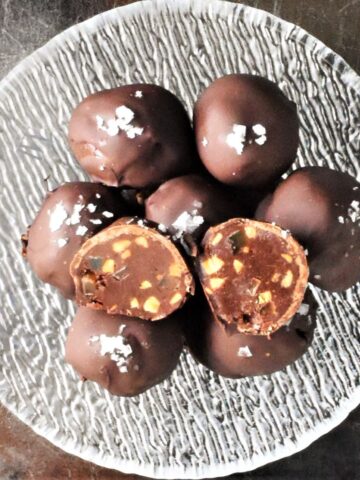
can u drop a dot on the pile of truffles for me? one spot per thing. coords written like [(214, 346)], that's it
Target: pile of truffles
[(191, 236)]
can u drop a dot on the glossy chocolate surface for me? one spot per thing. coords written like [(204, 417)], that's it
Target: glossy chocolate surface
[(70, 215), (247, 130), (235, 355), (321, 208), (191, 204), (135, 135), (124, 355)]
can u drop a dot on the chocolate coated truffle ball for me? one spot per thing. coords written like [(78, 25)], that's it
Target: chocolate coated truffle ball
[(321, 208), (235, 355), (70, 215), (132, 269), (191, 204), (254, 275), (124, 355), (247, 130), (135, 135)]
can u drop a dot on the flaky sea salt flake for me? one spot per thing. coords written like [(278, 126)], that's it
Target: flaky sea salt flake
[(81, 230), (91, 207), (107, 214), (62, 242), (259, 129), (236, 139), (244, 352), (57, 217)]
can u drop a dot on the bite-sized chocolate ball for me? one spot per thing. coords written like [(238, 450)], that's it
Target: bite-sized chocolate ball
[(190, 204), (131, 268), (254, 275), (124, 355), (247, 130), (235, 355), (136, 135), (321, 208), (70, 215)]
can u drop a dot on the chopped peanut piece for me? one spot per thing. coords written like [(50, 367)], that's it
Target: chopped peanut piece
[(250, 232), (276, 277), (145, 285), (208, 290), (120, 245), (238, 266), (108, 266), (175, 298), (142, 242), (217, 239), (245, 249), (264, 297), (175, 270), (287, 279), (216, 282), (151, 305), (126, 254), (212, 265), (287, 257), (112, 309), (134, 303)]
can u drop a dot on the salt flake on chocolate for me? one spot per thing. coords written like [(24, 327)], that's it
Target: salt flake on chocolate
[(187, 223), (117, 347), (236, 139), (122, 122), (81, 230), (75, 217), (57, 217), (259, 129), (62, 242), (91, 207), (304, 309), (107, 214), (244, 352)]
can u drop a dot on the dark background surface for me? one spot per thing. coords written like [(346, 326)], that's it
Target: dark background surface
[(26, 25)]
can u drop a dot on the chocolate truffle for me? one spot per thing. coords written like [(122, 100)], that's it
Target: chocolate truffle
[(321, 208), (131, 269), (247, 130), (70, 215), (124, 355), (254, 275), (190, 204), (237, 355), (136, 135)]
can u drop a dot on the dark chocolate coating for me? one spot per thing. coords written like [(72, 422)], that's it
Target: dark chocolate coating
[(151, 141), (254, 275), (236, 355), (143, 355), (321, 209), (131, 268), (191, 204), (69, 215), (247, 130)]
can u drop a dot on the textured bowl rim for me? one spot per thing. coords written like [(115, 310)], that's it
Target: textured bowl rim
[(348, 75)]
